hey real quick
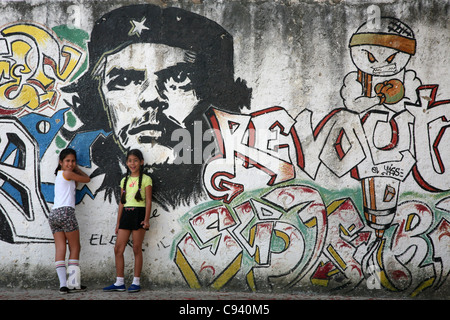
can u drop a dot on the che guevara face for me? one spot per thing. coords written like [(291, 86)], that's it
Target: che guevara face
[(148, 93)]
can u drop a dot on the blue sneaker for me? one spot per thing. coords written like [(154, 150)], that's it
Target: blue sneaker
[(114, 288), (134, 288)]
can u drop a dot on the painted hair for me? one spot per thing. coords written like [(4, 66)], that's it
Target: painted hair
[(138, 196), (62, 155)]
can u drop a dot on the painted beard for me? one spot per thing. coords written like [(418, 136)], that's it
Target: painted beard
[(187, 191)]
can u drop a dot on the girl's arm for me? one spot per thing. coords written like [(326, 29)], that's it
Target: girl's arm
[(148, 207), (119, 213), (77, 175)]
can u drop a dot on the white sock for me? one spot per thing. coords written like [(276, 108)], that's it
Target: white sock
[(61, 272), (120, 281), (73, 262), (137, 281)]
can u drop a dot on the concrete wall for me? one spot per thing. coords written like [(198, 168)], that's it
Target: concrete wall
[(326, 169)]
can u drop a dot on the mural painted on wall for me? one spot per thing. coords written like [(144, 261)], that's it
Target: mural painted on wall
[(34, 62), (184, 108)]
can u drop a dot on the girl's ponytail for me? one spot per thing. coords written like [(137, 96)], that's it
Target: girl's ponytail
[(138, 195), (123, 198)]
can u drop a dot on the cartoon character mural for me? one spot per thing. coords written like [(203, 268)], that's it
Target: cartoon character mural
[(162, 80), (370, 139), (379, 90), (385, 93)]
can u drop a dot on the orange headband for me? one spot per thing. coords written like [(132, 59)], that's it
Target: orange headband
[(400, 43)]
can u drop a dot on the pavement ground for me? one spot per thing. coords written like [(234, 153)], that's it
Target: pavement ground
[(96, 293), (182, 304)]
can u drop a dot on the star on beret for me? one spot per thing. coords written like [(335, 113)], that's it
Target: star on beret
[(137, 27)]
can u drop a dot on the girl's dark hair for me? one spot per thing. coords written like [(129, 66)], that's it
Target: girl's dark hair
[(62, 155), (138, 196)]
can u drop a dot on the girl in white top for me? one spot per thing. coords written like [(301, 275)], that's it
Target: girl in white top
[(62, 220)]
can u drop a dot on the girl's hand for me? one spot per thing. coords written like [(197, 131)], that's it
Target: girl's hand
[(145, 224), (117, 229)]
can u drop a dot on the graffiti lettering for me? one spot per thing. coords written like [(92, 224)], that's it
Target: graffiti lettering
[(341, 142), (215, 243), (431, 138), (292, 238), (237, 140), (22, 207), (31, 63), (103, 240), (99, 239), (313, 194), (440, 238)]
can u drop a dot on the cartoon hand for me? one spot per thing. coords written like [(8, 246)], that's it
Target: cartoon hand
[(390, 92)]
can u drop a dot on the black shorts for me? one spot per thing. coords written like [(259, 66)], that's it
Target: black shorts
[(132, 217)]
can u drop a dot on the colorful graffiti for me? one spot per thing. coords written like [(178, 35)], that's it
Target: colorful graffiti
[(371, 139), (343, 244), (287, 238), (244, 186), (33, 61)]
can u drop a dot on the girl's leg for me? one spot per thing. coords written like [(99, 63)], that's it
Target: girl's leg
[(73, 239), (121, 242), (74, 281), (60, 257), (60, 246), (138, 238)]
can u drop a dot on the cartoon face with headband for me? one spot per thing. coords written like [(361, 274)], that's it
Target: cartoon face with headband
[(384, 52), (381, 56)]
